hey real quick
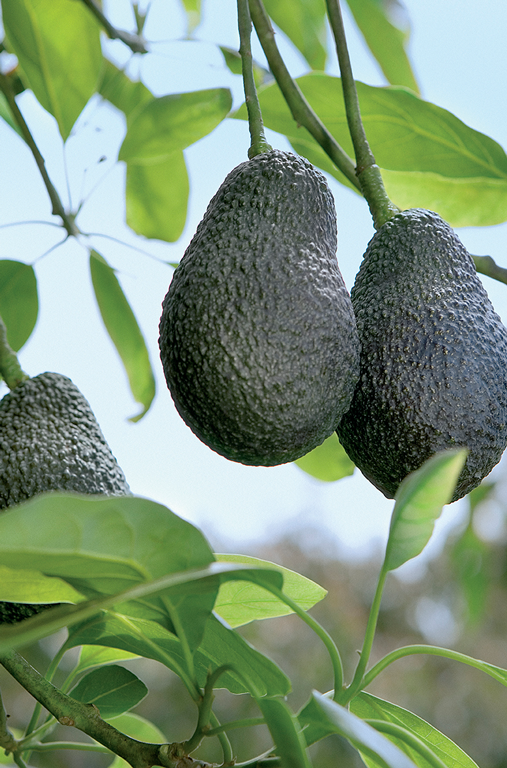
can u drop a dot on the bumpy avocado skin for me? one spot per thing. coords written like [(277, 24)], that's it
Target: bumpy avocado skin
[(257, 335), (433, 358), (51, 441)]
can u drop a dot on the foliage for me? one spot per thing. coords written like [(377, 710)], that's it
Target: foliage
[(129, 579)]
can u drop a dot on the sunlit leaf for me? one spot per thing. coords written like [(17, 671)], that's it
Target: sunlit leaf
[(58, 48), (6, 114), (428, 157), (171, 123), (233, 61), (286, 733), (19, 303), (26, 586), (386, 41), (124, 331), (125, 94), (112, 689), (193, 9), (327, 462), (337, 719), (157, 197), (419, 502), (96, 655), (304, 24), (241, 602)]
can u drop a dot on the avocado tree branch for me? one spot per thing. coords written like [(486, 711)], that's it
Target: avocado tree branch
[(86, 718), (368, 172), (58, 207), (301, 110), (487, 266), (10, 368), (257, 137), (133, 41)]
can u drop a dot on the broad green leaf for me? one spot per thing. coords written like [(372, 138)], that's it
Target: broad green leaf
[(171, 123), (58, 48), (96, 655), (220, 646), (27, 586), (366, 739), (304, 23), (103, 546), (157, 197), (327, 462), (419, 502), (124, 331), (385, 40), (286, 733), (122, 92), (19, 303), (428, 157), (370, 707), (112, 689), (241, 602), (137, 728)]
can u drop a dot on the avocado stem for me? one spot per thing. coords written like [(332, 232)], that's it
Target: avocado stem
[(367, 171), (10, 368), (258, 145), (301, 111)]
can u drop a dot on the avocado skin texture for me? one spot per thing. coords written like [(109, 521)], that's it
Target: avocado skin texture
[(51, 441), (257, 335), (433, 360)]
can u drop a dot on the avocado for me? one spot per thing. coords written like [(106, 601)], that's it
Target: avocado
[(433, 357), (257, 336), (51, 441)]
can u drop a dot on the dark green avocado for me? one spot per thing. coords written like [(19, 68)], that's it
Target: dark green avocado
[(433, 357), (257, 336), (51, 441)]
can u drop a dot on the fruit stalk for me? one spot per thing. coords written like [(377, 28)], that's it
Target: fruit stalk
[(368, 172), (10, 368), (301, 111), (258, 140)]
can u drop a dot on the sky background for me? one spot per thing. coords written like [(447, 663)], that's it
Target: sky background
[(459, 57)]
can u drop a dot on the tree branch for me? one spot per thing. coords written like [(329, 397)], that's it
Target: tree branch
[(487, 266), (133, 41), (58, 207), (86, 718), (302, 112), (10, 368)]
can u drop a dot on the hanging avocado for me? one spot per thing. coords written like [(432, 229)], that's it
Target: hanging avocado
[(257, 336), (433, 357)]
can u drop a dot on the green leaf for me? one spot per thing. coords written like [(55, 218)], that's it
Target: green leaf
[(305, 25), (19, 303), (29, 586), (385, 40), (193, 9), (327, 462), (124, 331), (6, 114), (137, 728), (233, 61), (337, 719), (286, 733), (428, 157), (171, 123), (59, 53), (220, 646), (112, 689), (96, 655), (370, 707), (157, 197), (419, 502), (102, 546), (124, 93), (241, 602)]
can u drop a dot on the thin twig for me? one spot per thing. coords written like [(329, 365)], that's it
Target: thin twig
[(302, 112), (58, 207), (487, 266), (10, 368), (368, 172), (133, 41)]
